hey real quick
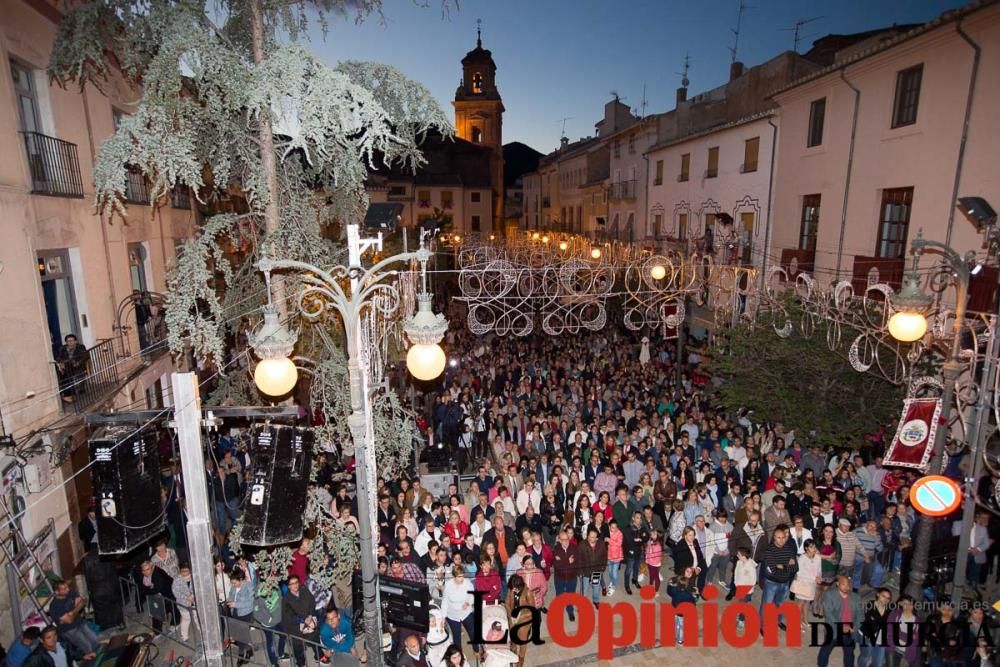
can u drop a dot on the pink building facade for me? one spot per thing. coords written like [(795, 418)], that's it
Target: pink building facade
[(877, 147)]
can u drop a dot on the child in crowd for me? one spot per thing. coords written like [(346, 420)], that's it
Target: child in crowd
[(654, 558), (682, 588)]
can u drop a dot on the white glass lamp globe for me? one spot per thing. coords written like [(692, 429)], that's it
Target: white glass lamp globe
[(658, 272), (907, 327), (563, 245), (275, 377), (595, 253), (425, 362)]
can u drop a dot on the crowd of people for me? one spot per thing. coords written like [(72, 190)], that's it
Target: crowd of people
[(596, 473)]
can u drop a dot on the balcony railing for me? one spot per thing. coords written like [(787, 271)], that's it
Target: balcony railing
[(398, 196), (795, 261), (623, 190), (136, 187), (180, 197), (682, 178), (870, 270), (54, 166), (711, 172), (748, 167)]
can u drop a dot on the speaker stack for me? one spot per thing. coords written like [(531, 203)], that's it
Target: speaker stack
[(126, 477), (281, 459)]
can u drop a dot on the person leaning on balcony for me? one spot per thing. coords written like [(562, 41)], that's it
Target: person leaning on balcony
[(71, 361)]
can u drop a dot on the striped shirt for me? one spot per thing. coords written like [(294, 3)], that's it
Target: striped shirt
[(785, 556), (868, 544)]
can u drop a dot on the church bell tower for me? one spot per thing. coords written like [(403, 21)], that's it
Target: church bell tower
[(479, 115)]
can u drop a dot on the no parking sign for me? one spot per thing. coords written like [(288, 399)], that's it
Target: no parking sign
[(935, 495)]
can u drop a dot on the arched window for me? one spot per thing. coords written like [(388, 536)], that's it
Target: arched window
[(477, 83), (477, 135)]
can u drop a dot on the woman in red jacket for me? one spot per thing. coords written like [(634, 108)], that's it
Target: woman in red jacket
[(488, 581), (456, 528)]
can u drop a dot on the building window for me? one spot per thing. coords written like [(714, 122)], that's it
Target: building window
[(904, 108), (446, 199), (478, 196), (682, 226), (579, 218), (746, 236), (713, 162), (750, 149), (475, 223), (894, 223), (562, 215), (397, 190), (810, 223), (657, 223), (659, 173), (59, 296), (477, 135), (424, 198), (710, 223), (137, 266), (631, 144), (685, 167), (477, 83), (27, 100), (618, 148), (817, 113)]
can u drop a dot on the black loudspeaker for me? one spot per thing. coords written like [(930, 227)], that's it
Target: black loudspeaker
[(281, 457), (126, 477)]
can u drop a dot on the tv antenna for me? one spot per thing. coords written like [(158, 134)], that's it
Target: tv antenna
[(684, 75), (563, 121), (736, 30), (797, 30), (642, 113)]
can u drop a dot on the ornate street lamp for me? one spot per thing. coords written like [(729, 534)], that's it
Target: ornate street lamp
[(275, 374), (367, 290), (909, 323)]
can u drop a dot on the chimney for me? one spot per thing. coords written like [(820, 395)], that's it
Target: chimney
[(682, 94), (563, 143), (735, 70)]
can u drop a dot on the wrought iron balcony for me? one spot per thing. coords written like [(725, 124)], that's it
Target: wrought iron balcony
[(748, 167), (54, 166), (623, 190), (711, 172), (682, 177)]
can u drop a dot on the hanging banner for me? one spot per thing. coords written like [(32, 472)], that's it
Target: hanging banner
[(914, 442)]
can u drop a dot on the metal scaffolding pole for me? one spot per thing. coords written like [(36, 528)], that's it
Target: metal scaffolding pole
[(187, 416)]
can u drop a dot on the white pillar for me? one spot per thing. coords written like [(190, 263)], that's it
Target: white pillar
[(187, 416)]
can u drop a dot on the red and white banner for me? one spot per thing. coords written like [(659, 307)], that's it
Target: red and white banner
[(914, 442)]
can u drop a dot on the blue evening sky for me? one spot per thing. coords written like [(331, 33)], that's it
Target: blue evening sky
[(559, 58)]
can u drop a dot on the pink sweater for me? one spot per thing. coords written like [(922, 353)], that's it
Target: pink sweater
[(615, 554), (654, 554)]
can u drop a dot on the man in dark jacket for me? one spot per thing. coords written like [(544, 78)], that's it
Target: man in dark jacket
[(298, 616), (750, 536), (566, 565), (593, 562), (151, 580), (505, 547), (51, 652), (634, 540)]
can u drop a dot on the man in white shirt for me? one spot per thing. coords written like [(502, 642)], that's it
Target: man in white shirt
[(529, 495), (429, 532), (691, 429)]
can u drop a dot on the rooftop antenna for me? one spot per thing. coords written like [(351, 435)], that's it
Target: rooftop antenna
[(563, 121), (684, 75), (479, 33), (642, 112), (736, 30), (797, 29)]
